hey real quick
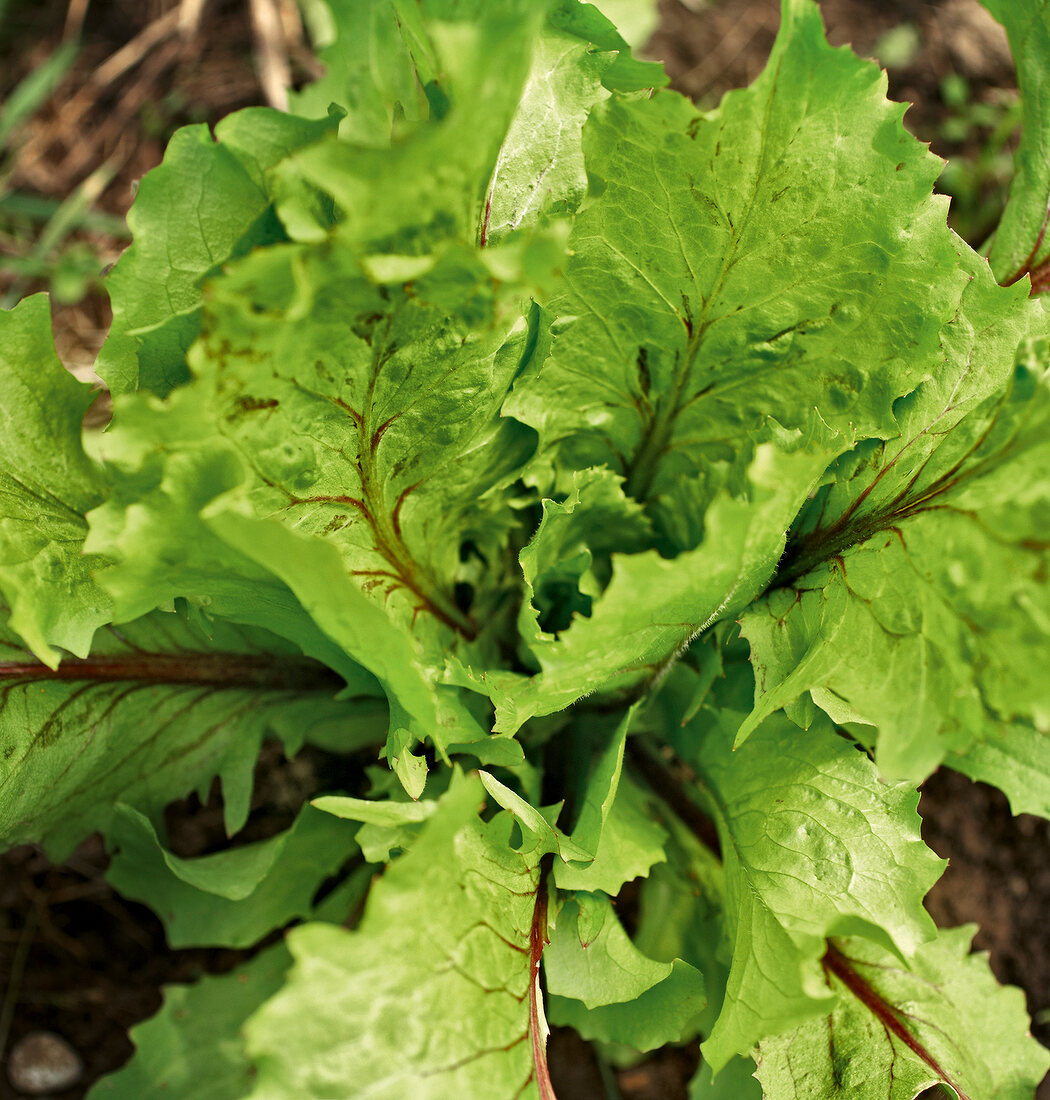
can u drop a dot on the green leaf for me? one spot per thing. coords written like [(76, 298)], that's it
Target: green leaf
[(368, 414), (471, 61), (368, 70), (629, 844), (1016, 759), (165, 466), (387, 826), (897, 1029), (562, 577), (663, 1013), (912, 595), (430, 996), (682, 916), (396, 477), (813, 845), (1021, 244), (586, 21), (495, 749), (469, 102), (47, 484), (193, 1047), (541, 836), (635, 19), (735, 1081), (314, 573), (156, 710), (603, 986), (540, 172), (372, 812), (205, 204), (173, 527), (234, 897), (599, 795), (607, 969)]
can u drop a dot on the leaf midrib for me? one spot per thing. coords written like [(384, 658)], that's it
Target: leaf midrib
[(808, 551), (643, 467), (232, 671)]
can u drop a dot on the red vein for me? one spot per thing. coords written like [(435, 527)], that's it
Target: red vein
[(836, 963), (227, 670), (537, 1029), (484, 237), (806, 552), (1026, 267)]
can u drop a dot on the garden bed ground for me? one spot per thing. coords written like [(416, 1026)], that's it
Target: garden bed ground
[(77, 959)]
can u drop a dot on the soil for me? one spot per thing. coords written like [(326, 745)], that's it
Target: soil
[(75, 957)]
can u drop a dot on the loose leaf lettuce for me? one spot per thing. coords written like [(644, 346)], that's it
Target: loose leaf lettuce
[(678, 335), (474, 409), (702, 330), (625, 643), (367, 411), (183, 234)]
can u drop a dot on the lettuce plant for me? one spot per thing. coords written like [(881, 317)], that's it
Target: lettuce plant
[(647, 500)]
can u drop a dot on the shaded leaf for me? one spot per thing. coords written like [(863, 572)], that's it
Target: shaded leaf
[(193, 1047), (604, 987), (629, 844), (156, 710), (567, 561), (663, 1013), (1016, 759), (736, 1081), (606, 969), (234, 897)]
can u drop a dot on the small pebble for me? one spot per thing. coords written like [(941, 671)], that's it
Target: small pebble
[(43, 1062)]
